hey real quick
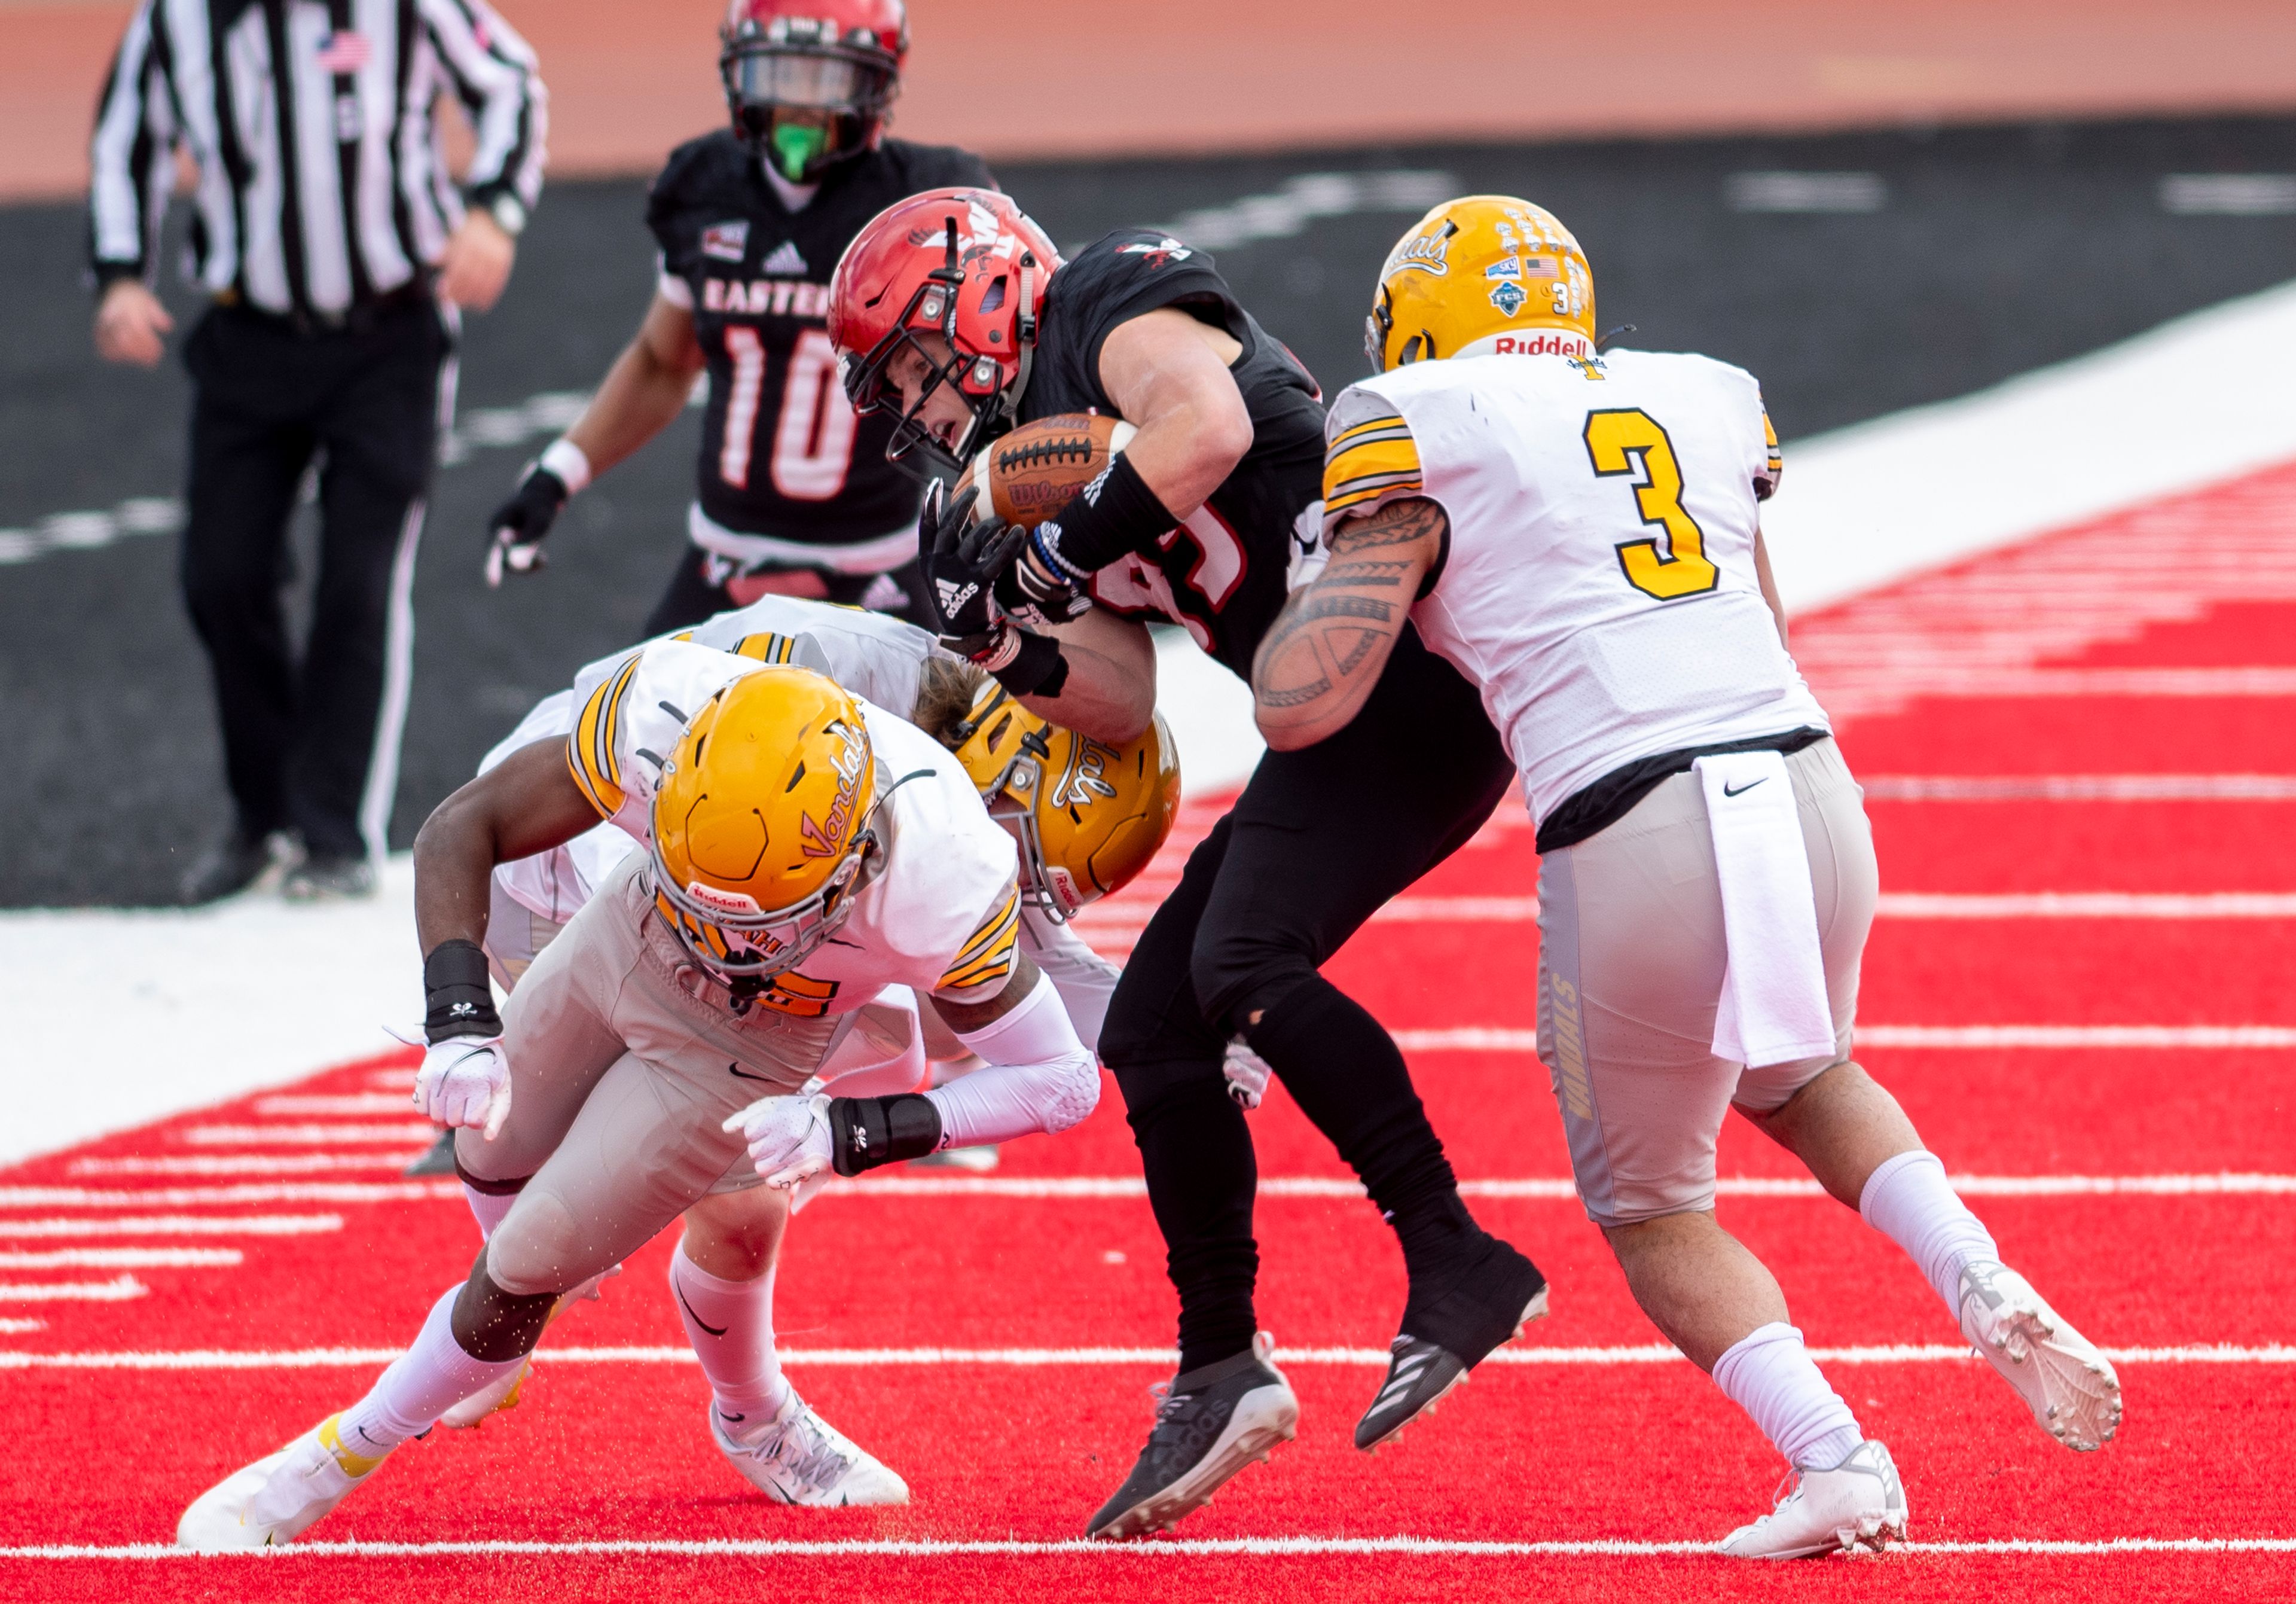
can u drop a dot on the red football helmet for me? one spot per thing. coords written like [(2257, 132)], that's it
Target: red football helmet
[(965, 264), (810, 82)]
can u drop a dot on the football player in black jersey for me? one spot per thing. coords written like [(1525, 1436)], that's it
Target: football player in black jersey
[(958, 320), (794, 495)]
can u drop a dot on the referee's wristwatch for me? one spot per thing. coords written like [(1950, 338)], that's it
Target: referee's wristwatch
[(508, 213)]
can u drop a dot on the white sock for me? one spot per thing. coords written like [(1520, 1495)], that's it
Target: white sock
[(421, 1384), (731, 1325), (1908, 1200), (1771, 1375), (489, 1207)]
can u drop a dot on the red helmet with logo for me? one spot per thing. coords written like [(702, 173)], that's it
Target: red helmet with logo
[(965, 264), (810, 82)]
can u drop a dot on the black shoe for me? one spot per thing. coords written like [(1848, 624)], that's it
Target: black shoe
[(329, 879), (232, 864), (1487, 1304), (1215, 1419), (438, 1158)]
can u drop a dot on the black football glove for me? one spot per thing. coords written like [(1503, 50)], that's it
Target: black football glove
[(519, 524), (1032, 598), (960, 564)]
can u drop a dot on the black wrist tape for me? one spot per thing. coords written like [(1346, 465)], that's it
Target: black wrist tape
[(1097, 528), (869, 1131), (457, 1001), (1038, 668)]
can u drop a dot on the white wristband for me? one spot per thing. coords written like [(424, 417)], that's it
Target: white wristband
[(565, 458)]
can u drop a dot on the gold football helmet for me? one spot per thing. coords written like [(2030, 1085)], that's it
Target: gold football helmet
[(1088, 815), (1482, 276), (760, 832)]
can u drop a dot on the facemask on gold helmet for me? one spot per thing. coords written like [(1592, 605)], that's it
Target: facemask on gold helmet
[(1482, 276), (760, 831), (1089, 814)]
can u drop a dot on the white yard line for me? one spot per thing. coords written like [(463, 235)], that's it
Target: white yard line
[(125, 1258), (1084, 1187), (323, 1191), (397, 1133), (116, 1290), (2078, 787), (174, 1225), (244, 1164), (1505, 1039), (355, 1103), (1515, 1354), (1115, 1553)]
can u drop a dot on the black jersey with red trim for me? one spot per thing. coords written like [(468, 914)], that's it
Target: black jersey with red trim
[(782, 452), (1222, 572)]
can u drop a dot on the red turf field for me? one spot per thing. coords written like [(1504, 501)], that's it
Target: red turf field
[(2151, 1191)]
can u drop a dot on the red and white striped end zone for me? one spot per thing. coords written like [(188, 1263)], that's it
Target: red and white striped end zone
[(2085, 776)]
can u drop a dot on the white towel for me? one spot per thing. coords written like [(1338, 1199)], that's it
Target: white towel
[(1773, 1007)]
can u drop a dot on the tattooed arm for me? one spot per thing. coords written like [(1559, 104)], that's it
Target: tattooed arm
[(1327, 647)]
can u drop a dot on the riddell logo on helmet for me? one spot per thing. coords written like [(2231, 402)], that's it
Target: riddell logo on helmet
[(1546, 343), (724, 901)]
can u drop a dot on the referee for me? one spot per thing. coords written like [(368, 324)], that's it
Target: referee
[(336, 252)]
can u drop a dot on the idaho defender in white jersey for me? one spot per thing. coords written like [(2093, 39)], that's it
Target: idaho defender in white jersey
[(1580, 535), (804, 850)]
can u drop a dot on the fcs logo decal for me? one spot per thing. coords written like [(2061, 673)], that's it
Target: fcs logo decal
[(1508, 297)]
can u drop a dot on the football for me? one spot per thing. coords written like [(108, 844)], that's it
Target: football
[(1033, 471)]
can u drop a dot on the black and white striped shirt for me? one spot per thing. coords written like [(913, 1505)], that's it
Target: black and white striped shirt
[(322, 183)]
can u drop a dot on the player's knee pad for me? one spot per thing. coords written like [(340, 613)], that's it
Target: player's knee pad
[(1154, 1092), (496, 1325), (1240, 973)]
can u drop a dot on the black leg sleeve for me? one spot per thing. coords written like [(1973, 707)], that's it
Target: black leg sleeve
[(1323, 837), (1196, 1146)]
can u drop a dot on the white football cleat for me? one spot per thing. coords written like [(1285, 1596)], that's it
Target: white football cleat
[(799, 1457), (492, 1399), (2070, 1387), (274, 1500), (1859, 1504)]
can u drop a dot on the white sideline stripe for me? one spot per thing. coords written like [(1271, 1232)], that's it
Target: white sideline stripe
[(1498, 1038), (1192, 1548), (313, 1359), (124, 1258), (240, 1163), (2225, 1184), (308, 1136), (178, 1225), (364, 1102), (2077, 1035), (14, 1328), (340, 1191), (2079, 787), (116, 1290), (1899, 905), (2014, 683), (2088, 904)]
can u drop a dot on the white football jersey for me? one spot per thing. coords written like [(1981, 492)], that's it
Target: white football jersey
[(1598, 584), (875, 657)]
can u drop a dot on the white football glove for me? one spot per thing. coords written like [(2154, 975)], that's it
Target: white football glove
[(1247, 1074), (466, 1081), (789, 1136)]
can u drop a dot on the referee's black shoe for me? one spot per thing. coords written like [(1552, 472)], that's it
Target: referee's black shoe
[(232, 864), (1213, 1421), (1450, 1332)]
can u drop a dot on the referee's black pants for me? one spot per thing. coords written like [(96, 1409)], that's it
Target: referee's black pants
[(312, 746), (1319, 841)]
